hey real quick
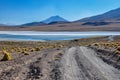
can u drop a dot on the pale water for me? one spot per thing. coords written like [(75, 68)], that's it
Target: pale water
[(45, 36)]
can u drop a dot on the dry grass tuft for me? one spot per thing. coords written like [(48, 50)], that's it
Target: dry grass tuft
[(6, 56)]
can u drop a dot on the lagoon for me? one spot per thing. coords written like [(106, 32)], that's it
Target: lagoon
[(46, 36)]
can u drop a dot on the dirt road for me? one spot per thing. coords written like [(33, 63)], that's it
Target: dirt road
[(75, 63), (82, 63)]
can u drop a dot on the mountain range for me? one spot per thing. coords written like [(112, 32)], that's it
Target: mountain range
[(113, 15), (109, 21)]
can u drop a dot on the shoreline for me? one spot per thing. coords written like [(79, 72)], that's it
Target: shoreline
[(50, 36)]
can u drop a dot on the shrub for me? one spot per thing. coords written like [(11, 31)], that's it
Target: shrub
[(25, 53), (118, 48), (60, 46), (117, 52), (32, 50), (96, 44), (60, 54), (6, 56), (37, 49)]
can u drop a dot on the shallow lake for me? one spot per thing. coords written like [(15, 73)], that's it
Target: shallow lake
[(45, 36)]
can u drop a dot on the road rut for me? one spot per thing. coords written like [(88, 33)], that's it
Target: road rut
[(82, 63)]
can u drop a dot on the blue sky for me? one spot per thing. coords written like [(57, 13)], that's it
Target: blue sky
[(24, 11)]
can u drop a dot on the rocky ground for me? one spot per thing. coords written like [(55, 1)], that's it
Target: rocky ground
[(72, 63)]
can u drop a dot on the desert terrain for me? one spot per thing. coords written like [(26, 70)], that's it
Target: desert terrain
[(96, 58)]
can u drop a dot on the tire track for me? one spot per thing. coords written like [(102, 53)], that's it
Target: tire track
[(81, 63), (70, 70)]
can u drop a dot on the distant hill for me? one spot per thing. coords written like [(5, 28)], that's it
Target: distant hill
[(33, 24), (110, 15), (3, 25), (96, 23), (54, 19)]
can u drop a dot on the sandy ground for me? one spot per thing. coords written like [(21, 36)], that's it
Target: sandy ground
[(75, 63)]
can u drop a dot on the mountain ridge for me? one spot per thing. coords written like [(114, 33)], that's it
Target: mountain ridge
[(110, 15)]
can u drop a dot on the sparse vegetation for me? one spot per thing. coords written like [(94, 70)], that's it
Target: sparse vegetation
[(6, 56), (30, 47), (114, 46)]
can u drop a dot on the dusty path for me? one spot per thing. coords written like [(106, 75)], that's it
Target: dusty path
[(76, 63), (81, 63)]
